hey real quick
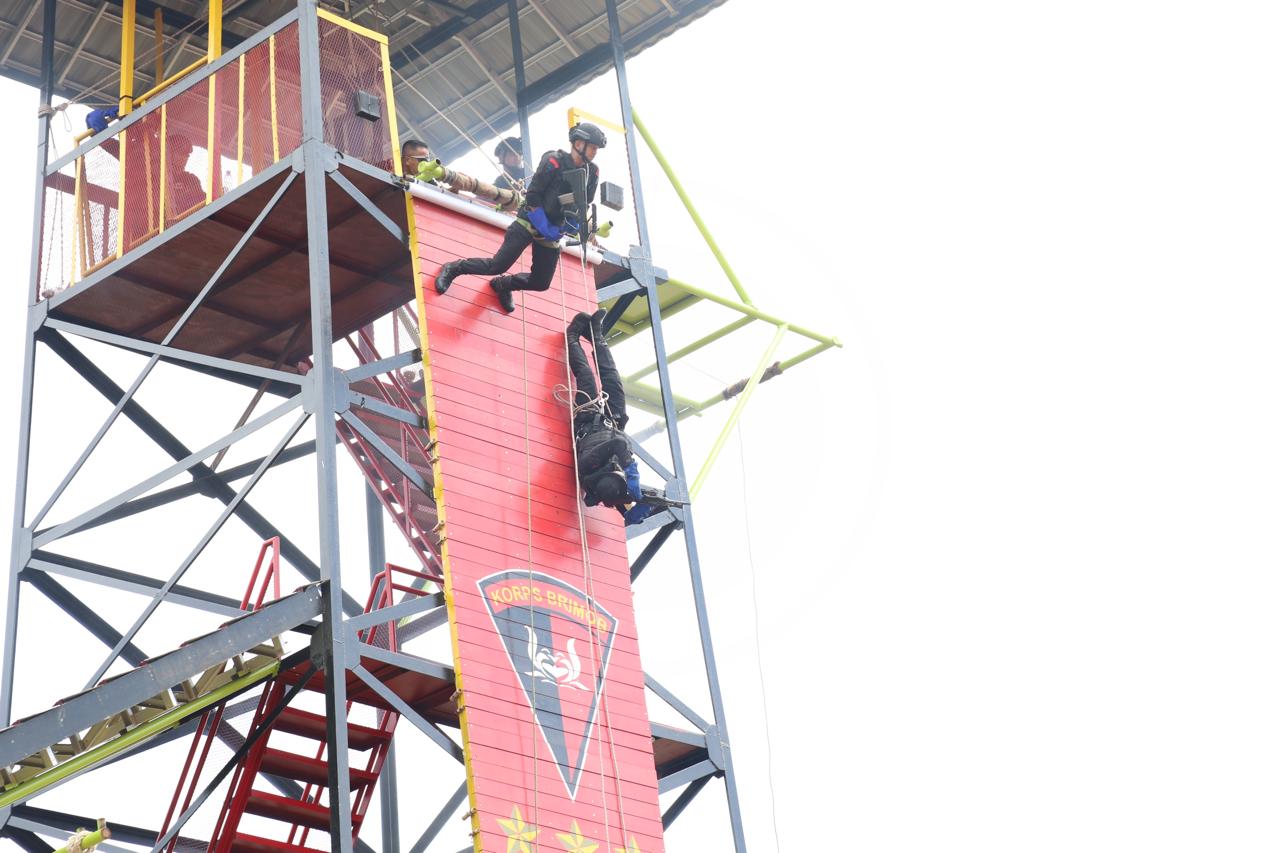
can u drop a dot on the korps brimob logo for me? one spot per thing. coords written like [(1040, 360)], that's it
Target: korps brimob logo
[(558, 641)]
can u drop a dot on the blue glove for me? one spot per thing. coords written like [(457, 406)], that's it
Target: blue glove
[(638, 513), (571, 224), (98, 120), (633, 480), (538, 219)]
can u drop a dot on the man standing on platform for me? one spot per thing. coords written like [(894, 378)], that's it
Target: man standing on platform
[(512, 163), (541, 221)]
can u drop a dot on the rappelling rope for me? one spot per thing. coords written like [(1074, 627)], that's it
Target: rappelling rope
[(588, 577), (528, 492), (582, 535)]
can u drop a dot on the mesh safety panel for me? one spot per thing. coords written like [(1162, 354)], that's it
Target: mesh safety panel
[(56, 258), (141, 180), (227, 172), (351, 67), (288, 89), (186, 152), (98, 219)]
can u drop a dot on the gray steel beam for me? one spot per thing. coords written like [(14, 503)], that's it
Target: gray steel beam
[(394, 613), (20, 541), (181, 466), (196, 551), (323, 404), (81, 711), (422, 625), (48, 563), (84, 615), (366, 204), (688, 774), (438, 35), (651, 549), (63, 823), (197, 486), (670, 698), (373, 404), (170, 353), (618, 49), (397, 461), (388, 794), (392, 362), (682, 802), (177, 450), (423, 725), (522, 100), (173, 332), (441, 820), (660, 519)]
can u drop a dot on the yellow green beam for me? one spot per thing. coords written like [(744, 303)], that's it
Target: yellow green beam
[(688, 206), (737, 411), (133, 737)]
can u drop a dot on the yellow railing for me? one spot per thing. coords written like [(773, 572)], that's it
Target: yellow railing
[(192, 147)]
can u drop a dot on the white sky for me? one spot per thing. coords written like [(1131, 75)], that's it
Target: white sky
[(1014, 545)]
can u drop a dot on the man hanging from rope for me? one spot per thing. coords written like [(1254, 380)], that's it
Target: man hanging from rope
[(607, 469), (542, 220)]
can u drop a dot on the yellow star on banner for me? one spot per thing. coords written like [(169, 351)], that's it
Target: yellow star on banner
[(632, 847), (575, 843), (519, 833)]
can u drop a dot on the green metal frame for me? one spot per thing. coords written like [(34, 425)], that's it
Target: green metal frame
[(680, 296), (92, 757)]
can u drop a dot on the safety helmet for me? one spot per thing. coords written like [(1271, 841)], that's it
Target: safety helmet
[(609, 487), (588, 133), (511, 144)]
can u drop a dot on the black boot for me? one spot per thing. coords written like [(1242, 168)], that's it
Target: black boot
[(444, 278), (597, 325), (579, 327), (504, 294)]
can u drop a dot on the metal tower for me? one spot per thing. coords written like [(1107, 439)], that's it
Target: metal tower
[(269, 272)]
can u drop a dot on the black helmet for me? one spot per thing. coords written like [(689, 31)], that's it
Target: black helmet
[(609, 487), (511, 144), (588, 133)]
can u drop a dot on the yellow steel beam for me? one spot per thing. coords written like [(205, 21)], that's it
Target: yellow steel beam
[(215, 29), (128, 28)]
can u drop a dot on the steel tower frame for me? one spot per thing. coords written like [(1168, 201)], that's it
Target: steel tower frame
[(322, 395)]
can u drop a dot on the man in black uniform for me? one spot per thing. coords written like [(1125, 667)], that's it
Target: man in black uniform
[(607, 469), (540, 221), (512, 163)]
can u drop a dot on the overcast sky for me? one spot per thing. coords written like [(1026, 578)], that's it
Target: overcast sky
[(1014, 546)]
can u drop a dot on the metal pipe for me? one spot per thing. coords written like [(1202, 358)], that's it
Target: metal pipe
[(688, 206), (128, 28), (753, 312), (693, 347), (737, 411), (89, 840), (434, 170)]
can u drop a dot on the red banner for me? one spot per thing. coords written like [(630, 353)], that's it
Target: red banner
[(558, 746)]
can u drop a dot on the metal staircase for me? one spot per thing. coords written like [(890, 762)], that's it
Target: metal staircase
[(297, 817)]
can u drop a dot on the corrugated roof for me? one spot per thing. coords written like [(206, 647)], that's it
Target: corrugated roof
[(454, 73)]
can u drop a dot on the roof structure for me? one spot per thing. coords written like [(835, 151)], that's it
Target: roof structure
[(452, 62)]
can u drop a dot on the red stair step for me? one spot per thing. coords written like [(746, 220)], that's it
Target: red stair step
[(288, 810), (309, 725), (307, 769), (243, 843)]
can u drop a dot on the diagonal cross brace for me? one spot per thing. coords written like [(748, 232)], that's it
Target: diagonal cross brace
[(81, 711)]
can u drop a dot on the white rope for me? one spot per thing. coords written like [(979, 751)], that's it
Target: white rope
[(588, 577), (528, 491), (76, 839)]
